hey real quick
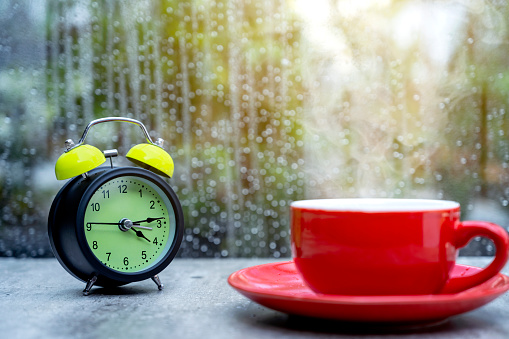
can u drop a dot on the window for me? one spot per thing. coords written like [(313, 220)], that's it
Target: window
[(260, 103)]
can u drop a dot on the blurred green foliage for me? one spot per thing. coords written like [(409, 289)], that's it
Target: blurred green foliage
[(217, 84), (260, 103)]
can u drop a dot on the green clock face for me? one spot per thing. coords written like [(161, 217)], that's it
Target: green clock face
[(129, 224)]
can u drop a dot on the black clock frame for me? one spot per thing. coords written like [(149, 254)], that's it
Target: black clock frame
[(67, 233)]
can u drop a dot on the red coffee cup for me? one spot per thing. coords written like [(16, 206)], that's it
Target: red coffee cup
[(386, 246)]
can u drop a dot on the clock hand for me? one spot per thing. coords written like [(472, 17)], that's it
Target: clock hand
[(103, 223), (144, 227), (119, 224), (149, 220), (140, 234)]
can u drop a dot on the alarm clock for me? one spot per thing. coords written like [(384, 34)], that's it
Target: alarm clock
[(109, 226)]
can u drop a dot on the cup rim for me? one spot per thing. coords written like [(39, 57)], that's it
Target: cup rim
[(375, 205)]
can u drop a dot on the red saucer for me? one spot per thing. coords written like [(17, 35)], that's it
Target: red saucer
[(280, 287)]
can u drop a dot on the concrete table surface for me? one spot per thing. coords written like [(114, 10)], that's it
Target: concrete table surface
[(39, 299)]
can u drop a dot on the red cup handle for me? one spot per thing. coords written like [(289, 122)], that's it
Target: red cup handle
[(466, 231)]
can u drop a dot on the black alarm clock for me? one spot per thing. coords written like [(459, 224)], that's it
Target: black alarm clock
[(109, 226)]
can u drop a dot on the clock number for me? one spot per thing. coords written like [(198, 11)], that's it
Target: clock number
[(143, 254), (122, 188), (89, 227), (95, 245), (159, 223), (106, 194), (155, 241), (126, 261), (95, 207), (109, 254), (141, 193), (152, 203)]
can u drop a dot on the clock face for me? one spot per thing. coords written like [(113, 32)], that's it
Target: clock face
[(129, 224)]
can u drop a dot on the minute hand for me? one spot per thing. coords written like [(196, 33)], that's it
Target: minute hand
[(149, 220)]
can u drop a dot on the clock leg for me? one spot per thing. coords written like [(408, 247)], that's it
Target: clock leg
[(90, 283), (156, 279)]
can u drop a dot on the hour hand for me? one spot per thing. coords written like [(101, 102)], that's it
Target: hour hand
[(140, 234)]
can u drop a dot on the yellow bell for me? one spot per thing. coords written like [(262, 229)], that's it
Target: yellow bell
[(78, 160), (153, 158)]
